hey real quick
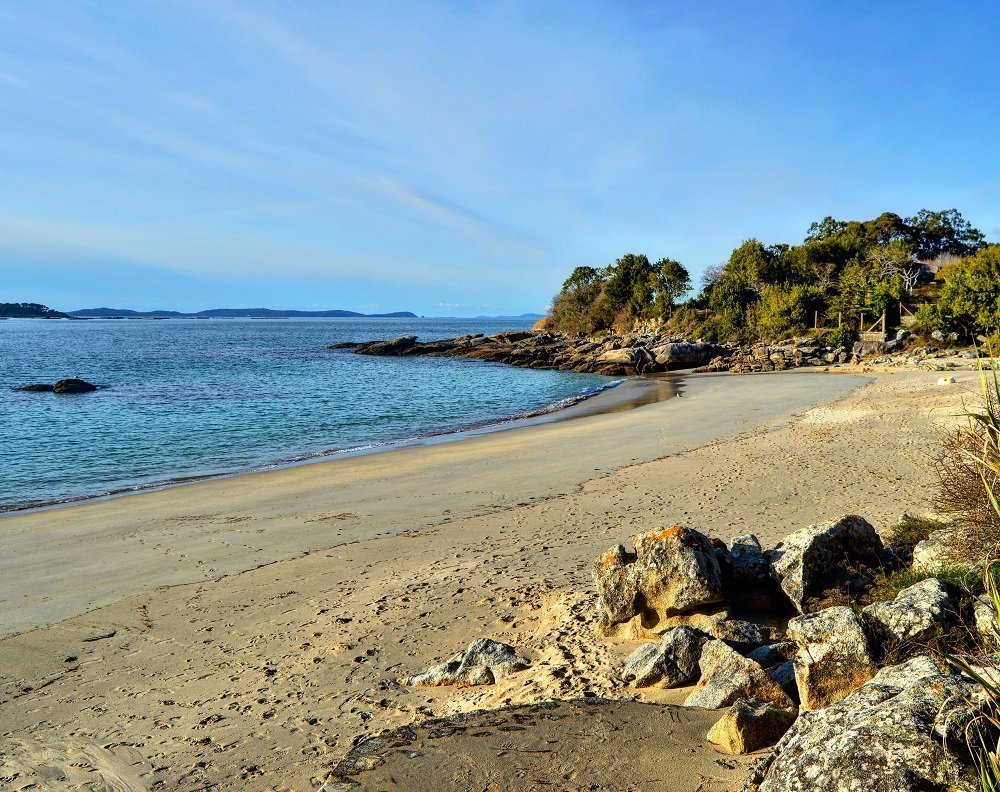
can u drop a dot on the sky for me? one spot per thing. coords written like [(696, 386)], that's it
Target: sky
[(461, 158)]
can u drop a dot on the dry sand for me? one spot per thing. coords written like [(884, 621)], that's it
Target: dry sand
[(188, 672)]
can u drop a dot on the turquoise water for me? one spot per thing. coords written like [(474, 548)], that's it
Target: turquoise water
[(189, 397)]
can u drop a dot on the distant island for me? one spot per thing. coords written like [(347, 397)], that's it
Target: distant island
[(242, 313), (24, 310)]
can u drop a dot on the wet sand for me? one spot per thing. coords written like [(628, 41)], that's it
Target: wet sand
[(187, 672)]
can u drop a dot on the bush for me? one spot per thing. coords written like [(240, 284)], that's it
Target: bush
[(843, 336), (910, 531)]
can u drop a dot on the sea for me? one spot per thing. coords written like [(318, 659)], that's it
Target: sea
[(181, 399)]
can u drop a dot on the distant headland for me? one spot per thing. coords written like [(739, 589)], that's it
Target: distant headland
[(37, 311)]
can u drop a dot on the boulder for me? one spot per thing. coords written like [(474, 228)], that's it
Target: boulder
[(935, 553), (482, 663), (727, 676), (881, 737), (670, 663), (744, 636), (73, 385), (774, 654), (808, 559), (916, 613), (37, 387), (750, 724), (834, 657), (394, 346), (752, 588), (682, 354), (906, 674), (672, 571)]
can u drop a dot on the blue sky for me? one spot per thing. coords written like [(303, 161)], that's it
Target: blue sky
[(461, 158)]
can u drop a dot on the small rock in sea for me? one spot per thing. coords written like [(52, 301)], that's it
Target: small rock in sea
[(37, 387), (482, 663), (670, 663), (73, 385), (750, 724)]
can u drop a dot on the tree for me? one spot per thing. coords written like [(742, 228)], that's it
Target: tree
[(970, 297), (674, 283), (936, 233), (824, 229)]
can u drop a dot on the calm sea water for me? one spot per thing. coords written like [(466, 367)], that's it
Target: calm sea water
[(200, 397)]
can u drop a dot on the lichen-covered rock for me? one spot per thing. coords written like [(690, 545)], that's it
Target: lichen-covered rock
[(935, 553), (672, 571), (681, 354), (750, 724), (906, 674), (805, 559), (774, 654), (752, 587), (880, 738), (670, 663), (985, 614), (834, 656), (745, 636), (727, 676), (482, 663), (916, 612)]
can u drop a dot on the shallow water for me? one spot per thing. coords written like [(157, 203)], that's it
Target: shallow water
[(189, 397)]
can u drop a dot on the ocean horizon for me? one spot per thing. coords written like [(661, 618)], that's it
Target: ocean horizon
[(189, 398)]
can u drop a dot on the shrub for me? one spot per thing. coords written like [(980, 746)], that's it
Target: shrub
[(910, 531), (843, 336)]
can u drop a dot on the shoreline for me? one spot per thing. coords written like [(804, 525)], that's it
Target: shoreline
[(619, 394), (223, 526), (174, 676)]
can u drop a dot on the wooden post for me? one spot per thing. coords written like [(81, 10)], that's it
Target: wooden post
[(816, 320), (861, 328), (840, 318), (883, 322)]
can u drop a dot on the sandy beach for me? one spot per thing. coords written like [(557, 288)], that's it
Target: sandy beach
[(243, 633)]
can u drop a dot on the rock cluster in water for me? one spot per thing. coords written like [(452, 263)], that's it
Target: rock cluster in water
[(70, 385)]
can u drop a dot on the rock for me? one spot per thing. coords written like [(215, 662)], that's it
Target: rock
[(727, 676), (744, 636), (37, 387), (750, 724), (935, 553), (916, 612), (809, 558), (482, 663), (752, 588), (906, 674), (784, 675), (682, 354), (672, 571), (670, 663), (394, 346), (880, 738), (73, 385), (775, 654), (985, 613), (834, 656)]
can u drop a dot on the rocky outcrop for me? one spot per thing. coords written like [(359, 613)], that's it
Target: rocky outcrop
[(834, 657), (727, 676), (885, 737), (778, 356), (750, 724), (482, 663), (774, 654), (807, 561), (671, 571), (671, 662), (916, 613), (614, 355), (745, 636), (985, 614)]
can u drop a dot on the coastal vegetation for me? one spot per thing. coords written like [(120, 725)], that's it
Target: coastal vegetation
[(934, 272), (23, 310)]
